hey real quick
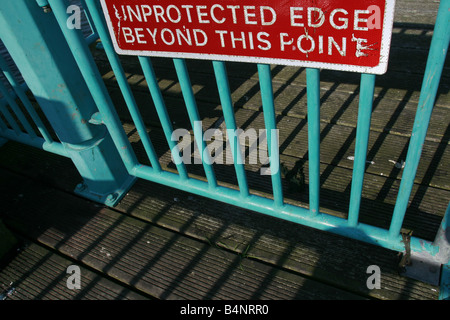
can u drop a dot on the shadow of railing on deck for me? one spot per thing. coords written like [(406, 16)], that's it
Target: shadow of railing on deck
[(70, 230)]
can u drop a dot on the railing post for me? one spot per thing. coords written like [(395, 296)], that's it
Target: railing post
[(435, 64), (361, 143), (442, 240), (38, 47), (313, 107)]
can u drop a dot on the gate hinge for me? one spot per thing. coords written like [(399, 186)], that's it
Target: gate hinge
[(406, 257), (418, 266)]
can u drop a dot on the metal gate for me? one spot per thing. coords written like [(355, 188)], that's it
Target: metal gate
[(58, 67)]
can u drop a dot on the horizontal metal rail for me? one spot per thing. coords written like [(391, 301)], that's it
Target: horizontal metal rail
[(277, 207), (12, 130), (312, 217), (37, 142)]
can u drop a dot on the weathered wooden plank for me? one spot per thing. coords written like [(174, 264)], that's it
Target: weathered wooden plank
[(275, 243), (8, 242), (395, 84), (162, 263), (35, 273), (385, 151), (390, 114), (385, 156), (235, 229), (140, 202), (424, 214), (416, 11), (428, 204), (175, 108), (410, 37)]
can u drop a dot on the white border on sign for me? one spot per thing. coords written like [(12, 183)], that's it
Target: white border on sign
[(381, 68)]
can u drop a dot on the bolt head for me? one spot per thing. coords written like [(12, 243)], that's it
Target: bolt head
[(80, 187), (111, 197)]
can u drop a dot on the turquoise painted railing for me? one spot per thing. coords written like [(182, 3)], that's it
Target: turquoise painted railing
[(98, 130)]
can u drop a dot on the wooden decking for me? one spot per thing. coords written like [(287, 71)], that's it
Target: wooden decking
[(161, 243)]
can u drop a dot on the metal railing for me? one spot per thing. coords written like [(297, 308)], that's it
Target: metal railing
[(116, 184)]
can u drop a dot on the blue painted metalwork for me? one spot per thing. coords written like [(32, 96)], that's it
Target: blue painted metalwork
[(64, 97), (10, 119), (160, 106), (194, 117), (350, 228), (42, 3), (19, 114), (444, 292), (87, 124), (265, 80), (432, 76), (442, 240), (93, 80), (325, 222), (362, 139), (313, 96), (102, 30), (94, 36), (230, 122), (37, 142), (18, 89), (12, 130)]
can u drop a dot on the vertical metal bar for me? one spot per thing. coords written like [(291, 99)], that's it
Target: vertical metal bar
[(442, 240), (160, 106), (10, 119), (100, 25), (230, 122), (26, 102), (93, 79), (42, 3), (12, 103), (433, 72), (94, 36), (3, 126), (89, 38), (362, 140), (313, 97), (65, 90), (191, 106), (444, 292), (265, 80)]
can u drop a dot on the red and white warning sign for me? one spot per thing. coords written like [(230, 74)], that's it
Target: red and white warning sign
[(350, 35)]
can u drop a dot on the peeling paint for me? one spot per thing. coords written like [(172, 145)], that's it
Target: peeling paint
[(119, 17)]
